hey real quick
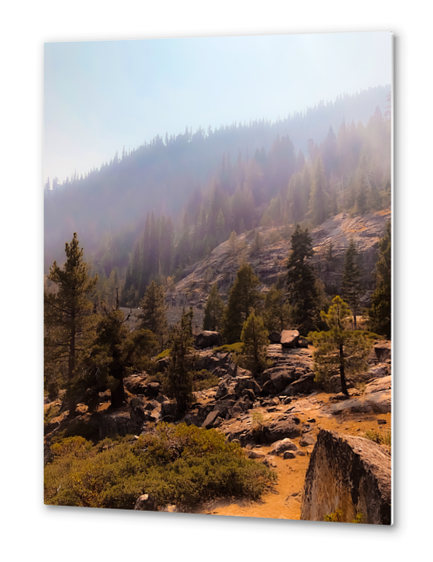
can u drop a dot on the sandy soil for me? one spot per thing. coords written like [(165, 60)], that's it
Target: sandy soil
[(284, 502)]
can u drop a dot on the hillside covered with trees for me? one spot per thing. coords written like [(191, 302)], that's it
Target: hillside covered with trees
[(152, 212)]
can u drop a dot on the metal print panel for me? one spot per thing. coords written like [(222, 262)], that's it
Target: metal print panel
[(217, 276)]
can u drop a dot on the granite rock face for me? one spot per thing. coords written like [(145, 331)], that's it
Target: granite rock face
[(350, 474)]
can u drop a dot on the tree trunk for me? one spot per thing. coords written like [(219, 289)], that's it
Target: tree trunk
[(118, 395), (342, 376), (71, 359)]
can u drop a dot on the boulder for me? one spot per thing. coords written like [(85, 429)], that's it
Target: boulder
[(208, 339), (211, 419), (246, 382), (289, 338), (146, 502), (350, 474), (375, 400), (280, 447), (382, 350), (288, 455), (305, 385), (275, 337), (152, 389), (168, 408), (306, 440), (135, 384)]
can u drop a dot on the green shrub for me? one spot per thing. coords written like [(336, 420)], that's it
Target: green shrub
[(163, 354), (377, 437), (230, 348), (335, 517), (178, 464), (204, 379)]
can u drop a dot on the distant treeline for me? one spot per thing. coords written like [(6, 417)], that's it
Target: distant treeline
[(167, 204)]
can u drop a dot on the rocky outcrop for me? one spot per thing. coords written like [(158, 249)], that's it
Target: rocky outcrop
[(269, 263), (207, 339), (247, 432), (350, 474), (289, 338), (375, 400)]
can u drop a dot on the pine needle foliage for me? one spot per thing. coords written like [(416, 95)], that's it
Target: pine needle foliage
[(380, 311), (339, 350), (255, 339), (153, 312), (214, 310), (69, 322), (350, 285), (243, 298), (301, 282)]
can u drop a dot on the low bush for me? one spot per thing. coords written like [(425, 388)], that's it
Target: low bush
[(177, 464), (230, 348), (204, 379), (378, 437), (163, 354)]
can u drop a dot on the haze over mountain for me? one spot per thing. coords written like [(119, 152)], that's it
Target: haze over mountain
[(108, 206)]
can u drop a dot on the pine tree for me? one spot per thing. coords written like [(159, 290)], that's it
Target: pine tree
[(68, 315), (243, 298), (255, 339), (380, 311), (350, 286), (301, 282), (340, 350), (214, 310), (153, 312), (276, 311), (179, 378), (116, 352)]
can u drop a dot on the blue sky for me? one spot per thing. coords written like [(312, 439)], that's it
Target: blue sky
[(101, 96)]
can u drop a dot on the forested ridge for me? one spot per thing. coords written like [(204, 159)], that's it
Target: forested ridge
[(157, 209)]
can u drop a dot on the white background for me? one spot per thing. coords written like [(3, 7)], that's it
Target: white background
[(30, 530)]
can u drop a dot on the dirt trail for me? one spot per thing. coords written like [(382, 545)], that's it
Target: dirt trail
[(284, 502)]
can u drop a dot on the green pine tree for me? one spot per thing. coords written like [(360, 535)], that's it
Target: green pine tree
[(339, 350), (301, 282), (380, 311), (214, 310), (179, 378), (153, 312), (255, 339), (116, 352), (276, 311), (243, 298), (350, 286), (69, 322)]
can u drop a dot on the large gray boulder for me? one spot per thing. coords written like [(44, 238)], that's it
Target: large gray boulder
[(350, 474), (289, 338), (208, 339)]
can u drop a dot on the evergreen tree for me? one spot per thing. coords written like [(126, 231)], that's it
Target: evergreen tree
[(116, 352), (350, 285), (243, 298), (277, 312), (179, 378), (214, 310), (68, 315), (301, 282), (340, 350), (153, 312), (255, 339), (380, 311)]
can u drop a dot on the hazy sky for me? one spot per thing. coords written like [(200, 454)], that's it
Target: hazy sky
[(105, 95)]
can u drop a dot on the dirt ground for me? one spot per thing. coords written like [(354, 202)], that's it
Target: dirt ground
[(284, 501)]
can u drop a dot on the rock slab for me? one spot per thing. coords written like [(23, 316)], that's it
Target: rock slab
[(351, 474)]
